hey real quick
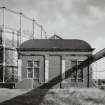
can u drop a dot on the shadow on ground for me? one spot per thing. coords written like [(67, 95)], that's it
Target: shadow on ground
[(36, 96)]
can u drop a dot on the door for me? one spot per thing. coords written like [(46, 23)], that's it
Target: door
[(36, 74), (54, 68)]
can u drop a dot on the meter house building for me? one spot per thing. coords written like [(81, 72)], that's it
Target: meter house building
[(41, 60)]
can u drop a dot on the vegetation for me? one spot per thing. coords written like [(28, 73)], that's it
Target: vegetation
[(72, 96)]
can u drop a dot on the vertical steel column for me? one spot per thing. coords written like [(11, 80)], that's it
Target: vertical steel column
[(45, 35), (18, 34), (20, 27), (3, 42), (41, 30), (13, 40), (33, 28)]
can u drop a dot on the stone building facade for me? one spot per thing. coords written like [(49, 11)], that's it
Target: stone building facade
[(41, 60)]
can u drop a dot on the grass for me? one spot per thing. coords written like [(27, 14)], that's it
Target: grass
[(72, 96)]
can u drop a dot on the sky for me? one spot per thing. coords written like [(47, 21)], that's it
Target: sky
[(70, 19)]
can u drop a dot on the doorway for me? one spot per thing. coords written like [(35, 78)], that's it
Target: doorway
[(55, 68)]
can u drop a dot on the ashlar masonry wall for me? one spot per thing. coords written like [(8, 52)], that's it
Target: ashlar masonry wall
[(56, 63)]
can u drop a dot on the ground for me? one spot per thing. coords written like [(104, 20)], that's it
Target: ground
[(72, 96), (6, 94)]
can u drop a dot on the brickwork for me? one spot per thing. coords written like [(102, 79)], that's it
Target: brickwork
[(55, 66)]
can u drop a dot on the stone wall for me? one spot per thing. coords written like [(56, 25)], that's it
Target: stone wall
[(53, 71)]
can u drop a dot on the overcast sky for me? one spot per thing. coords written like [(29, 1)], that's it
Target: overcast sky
[(76, 19), (79, 19)]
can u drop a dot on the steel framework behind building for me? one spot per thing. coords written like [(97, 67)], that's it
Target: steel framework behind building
[(8, 48)]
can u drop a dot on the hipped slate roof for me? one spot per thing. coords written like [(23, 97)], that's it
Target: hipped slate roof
[(55, 44)]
